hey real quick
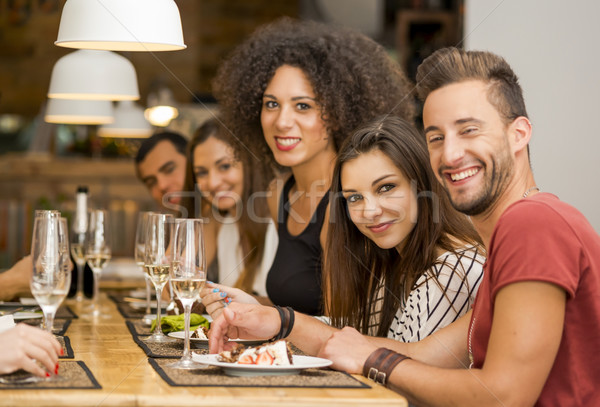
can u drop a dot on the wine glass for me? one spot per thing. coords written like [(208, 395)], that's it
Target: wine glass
[(158, 252), (140, 247), (97, 250), (188, 276), (80, 224), (51, 277)]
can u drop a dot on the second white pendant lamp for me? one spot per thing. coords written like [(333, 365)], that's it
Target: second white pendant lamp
[(93, 75), (129, 122), (121, 25), (71, 111)]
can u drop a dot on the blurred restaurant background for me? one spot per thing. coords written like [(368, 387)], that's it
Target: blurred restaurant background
[(42, 163)]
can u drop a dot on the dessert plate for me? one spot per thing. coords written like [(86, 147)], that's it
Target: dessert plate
[(18, 316), (235, 369), (141, 304)]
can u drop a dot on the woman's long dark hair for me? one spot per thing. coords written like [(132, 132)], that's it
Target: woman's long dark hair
[(253, 219), (355, 266)]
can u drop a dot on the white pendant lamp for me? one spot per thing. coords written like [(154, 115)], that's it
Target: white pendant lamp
[(129, 122), (93, 75), (121, 25), (69, 111)]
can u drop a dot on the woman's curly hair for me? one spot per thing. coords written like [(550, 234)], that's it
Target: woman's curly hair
[(352, 76)]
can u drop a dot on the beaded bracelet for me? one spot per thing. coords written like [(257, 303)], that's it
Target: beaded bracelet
[(379, 365)]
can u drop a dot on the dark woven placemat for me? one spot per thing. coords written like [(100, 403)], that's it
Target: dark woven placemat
[(128, 312), (65, 312), (72, 375), (59, 327), (214, 376), (155, 350), (125, 308), (65, 342), (139, 328)]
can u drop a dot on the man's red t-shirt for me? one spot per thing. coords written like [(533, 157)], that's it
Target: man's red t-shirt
[(544, 239)]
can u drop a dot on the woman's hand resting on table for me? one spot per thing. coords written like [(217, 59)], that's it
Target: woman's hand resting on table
[(216, 297), (337, 350), (23, 345)]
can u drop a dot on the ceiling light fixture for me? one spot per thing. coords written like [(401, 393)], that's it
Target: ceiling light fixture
[(69, 111), (121, 25), (93, 75), (161, 107), (129, 122)]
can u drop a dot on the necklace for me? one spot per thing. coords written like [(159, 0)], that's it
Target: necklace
[(471, 359), (534, 188)]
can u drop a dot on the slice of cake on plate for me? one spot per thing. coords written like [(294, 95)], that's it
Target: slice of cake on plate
[(269, 354), (200, 333)]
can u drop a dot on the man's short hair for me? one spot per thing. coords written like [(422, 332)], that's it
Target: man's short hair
[(178, 141), (452, 65)]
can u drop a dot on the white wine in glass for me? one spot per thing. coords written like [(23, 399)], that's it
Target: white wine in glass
[(158, 253), (188, 276), (51, 276), (97, 251), (140, 248)]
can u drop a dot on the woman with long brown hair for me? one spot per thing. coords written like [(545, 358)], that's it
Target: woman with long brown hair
[(243, 235), (392, 272), (401, 262)]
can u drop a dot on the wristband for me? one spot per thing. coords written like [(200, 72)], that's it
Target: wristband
[(282, 327), (379, 365), (290, 324)]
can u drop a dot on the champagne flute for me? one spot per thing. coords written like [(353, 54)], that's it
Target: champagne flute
[(65, 254), (45, 213), (97, 250), (51, 277), (140, 248), (158, 262), (188, 276)]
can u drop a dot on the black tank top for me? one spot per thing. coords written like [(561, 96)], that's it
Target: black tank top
[(294, 279)]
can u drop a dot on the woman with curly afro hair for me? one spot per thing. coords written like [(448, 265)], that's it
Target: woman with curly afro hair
[(291, 93)]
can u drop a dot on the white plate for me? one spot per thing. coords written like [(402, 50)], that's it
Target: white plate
[(139, 293), (28, 301), (26, 315), (142, 305), (234, 369), (200, 341)]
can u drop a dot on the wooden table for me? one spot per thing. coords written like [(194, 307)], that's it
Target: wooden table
[(127, 379)]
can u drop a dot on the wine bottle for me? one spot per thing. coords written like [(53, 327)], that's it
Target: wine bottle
[(78, 230)]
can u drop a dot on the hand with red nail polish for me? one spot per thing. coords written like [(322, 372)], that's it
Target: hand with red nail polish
[(28, 348)]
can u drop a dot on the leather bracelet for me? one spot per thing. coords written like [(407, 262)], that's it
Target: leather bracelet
[(379, 365), (374, 359)]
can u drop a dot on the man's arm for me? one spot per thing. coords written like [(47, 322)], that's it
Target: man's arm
[(525, 336), (15, 281), (445, 348)]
